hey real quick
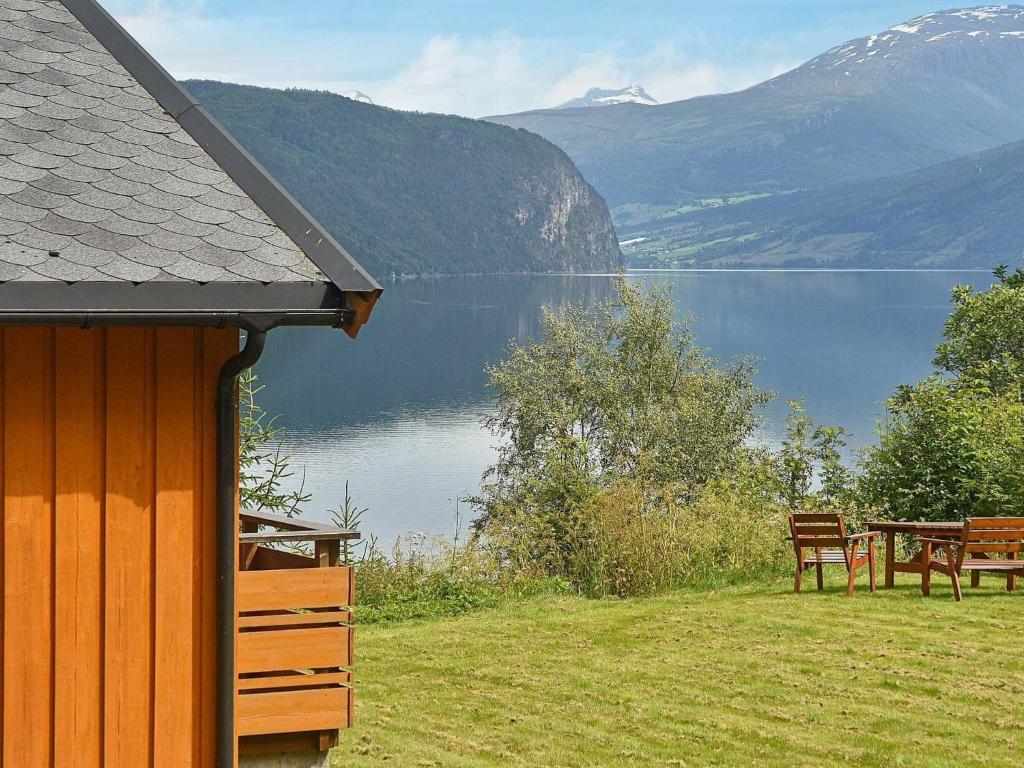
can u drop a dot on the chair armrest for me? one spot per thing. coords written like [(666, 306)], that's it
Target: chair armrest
[(939, 542), (859, 536)]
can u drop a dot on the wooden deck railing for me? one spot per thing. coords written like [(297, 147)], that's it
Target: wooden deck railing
[(294, 634)]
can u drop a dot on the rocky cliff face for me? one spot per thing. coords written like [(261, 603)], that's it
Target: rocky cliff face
[(566, 222), (410, 193)]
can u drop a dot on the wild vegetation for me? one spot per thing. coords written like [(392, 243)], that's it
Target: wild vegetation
[(630, 464)]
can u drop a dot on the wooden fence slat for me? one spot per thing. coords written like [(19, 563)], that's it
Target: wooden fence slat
[(318, 680), (28, 540), (284, 649), (294, 619), (266, 559), (288, 711), (303, 588), (80, 412), (129, 542)]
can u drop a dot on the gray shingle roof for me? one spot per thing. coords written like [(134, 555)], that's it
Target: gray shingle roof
[(92, 168), (102, 179)]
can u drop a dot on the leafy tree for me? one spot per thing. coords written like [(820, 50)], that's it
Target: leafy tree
[(984, 335), (809, 450), (949, 451), (618, 389)]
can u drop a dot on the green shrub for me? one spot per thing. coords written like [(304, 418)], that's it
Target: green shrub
[(421, 579), (630, 539), (948, 450)]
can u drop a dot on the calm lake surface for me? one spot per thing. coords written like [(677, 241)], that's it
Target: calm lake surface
[(398, 413)]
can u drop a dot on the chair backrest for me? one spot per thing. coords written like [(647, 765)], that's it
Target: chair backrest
[(993, 535), (817, 530)]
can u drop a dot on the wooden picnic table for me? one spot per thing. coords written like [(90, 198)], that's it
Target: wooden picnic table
[(916, 564)]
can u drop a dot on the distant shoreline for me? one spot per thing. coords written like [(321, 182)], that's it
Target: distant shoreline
[(809, 269), (654, 270)]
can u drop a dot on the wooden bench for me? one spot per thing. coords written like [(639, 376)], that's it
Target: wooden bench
[(973, 551), (823, 537)]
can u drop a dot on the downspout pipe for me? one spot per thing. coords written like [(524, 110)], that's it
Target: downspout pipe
[(227, 547)]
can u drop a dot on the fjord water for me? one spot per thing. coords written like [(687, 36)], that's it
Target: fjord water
[(398, 413)]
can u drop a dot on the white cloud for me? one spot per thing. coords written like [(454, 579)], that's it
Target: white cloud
[(151, 19), (476, 76), (504, 73)]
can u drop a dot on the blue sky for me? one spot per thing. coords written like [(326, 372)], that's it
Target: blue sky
[(477, 58)]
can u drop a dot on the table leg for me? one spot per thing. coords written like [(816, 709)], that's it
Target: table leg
[(890, 560)]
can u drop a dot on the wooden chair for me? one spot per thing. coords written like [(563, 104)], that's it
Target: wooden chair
[(973, 552), (824, 534)]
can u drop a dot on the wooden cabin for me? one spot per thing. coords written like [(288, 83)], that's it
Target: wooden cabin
[(144, 259)]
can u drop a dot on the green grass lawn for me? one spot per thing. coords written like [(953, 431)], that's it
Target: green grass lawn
[(739, 676)]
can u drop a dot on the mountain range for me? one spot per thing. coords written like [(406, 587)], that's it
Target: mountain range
[(410, 193), (813, 166)]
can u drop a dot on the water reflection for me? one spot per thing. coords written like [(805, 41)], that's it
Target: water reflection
[(398, 412)]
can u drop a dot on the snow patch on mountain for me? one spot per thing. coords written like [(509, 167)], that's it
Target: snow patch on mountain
[(987, 25), (600, 97), (358, 96)]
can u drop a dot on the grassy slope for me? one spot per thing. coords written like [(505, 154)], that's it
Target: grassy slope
[(751, 676)]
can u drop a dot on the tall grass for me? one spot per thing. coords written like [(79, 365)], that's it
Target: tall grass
[(423, 577), (626, 541)]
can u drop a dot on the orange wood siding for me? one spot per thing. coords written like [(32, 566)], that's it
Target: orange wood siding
[(107, 547)]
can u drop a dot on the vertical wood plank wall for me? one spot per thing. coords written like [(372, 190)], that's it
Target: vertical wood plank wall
[(107, 546)]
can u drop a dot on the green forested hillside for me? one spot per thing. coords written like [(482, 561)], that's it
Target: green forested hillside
[(964, 213), (410, 193)]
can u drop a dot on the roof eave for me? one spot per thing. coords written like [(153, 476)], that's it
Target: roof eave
[(254, 306)]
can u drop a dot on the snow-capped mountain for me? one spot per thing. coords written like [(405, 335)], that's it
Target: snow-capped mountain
[(937, 43), (924, 92), (600, 97), (358, 96)]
